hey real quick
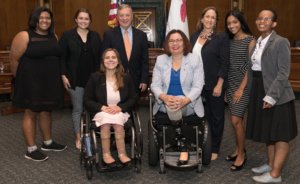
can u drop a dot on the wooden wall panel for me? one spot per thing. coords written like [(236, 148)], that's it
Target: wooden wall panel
[(288, 16), (64, 14), (13, 17), (194, 9)]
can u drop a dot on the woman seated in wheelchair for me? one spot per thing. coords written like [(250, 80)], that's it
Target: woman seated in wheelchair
[(110, 94), (177, 82)]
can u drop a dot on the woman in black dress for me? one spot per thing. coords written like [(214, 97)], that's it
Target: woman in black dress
[(35, 63)]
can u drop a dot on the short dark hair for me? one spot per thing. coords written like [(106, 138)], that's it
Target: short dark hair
[(186, 44), (83, 10), (239, 16), (274, 17), (35, 16)]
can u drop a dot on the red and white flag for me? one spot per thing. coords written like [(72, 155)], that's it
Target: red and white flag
[(112, 17), (177, 18)]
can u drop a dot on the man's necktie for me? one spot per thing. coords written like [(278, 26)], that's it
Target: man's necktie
[(127, 44)]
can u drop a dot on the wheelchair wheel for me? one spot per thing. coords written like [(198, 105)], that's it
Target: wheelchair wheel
[(206, 142), (152, 147), (138, 133), (138, 165), (82, 155), (89, 169), (81, 159)]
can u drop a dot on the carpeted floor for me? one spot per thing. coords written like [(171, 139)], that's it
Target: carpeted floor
[(63, 167)]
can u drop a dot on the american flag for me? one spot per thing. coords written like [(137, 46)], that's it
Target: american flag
[(112, 17)]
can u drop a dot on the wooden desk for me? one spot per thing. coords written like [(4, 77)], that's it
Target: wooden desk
[(294, 77), (5, 82), (6, 88)]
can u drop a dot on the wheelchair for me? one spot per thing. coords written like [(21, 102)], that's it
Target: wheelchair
[(165, 138), (91, 153)]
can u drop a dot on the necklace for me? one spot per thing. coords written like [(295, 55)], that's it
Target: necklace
[(205, 35)]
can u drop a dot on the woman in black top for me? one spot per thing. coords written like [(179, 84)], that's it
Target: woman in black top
[(213, 48), (81, 57)]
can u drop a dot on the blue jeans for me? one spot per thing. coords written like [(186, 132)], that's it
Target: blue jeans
[(77, 102)]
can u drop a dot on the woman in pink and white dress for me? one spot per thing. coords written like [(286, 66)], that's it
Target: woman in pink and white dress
[(111, 95)]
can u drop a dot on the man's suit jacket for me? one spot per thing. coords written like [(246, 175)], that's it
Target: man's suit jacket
[(275, 66), (70, 44), (95, 95), (215, 57), (191, 79), (137, 66)]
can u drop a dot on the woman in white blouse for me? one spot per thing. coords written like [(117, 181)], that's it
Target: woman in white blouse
[(111, 94)]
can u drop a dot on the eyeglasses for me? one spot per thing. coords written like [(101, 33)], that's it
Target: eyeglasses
[(175, 41), (264, 19)]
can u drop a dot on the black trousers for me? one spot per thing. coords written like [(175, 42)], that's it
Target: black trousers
[(214, 108)]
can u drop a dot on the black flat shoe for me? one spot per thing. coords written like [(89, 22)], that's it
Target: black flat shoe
[(238, 167), (128, 163), (124, 163), (183, 162), (110, 165)]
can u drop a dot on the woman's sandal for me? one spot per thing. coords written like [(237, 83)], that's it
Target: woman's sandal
[(238, 167), (232, 157)]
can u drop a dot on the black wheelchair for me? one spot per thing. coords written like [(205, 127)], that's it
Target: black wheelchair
[(91, 153), (166, 137)]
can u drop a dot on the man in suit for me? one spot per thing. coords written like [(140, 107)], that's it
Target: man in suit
[(132, 46)]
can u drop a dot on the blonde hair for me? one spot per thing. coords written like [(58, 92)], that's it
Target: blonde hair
[(123, 6)]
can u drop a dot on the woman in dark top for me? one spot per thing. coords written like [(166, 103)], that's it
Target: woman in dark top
[(35, 63), (213, 48), (81, 57)]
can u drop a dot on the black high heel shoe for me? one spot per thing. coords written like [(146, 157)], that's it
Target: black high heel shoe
[(183, 162), (232, 157), (238, 167)]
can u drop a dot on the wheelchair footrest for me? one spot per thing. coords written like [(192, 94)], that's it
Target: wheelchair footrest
[(171, 159)]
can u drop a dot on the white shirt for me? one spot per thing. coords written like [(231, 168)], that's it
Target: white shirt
[(197, 50), (256, 61), (256, 56)]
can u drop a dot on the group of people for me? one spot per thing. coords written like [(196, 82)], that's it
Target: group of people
[(44, 65), (195, 76), (250, 75)]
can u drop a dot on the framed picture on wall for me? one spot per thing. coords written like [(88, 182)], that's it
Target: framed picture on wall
[(237, 5)]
